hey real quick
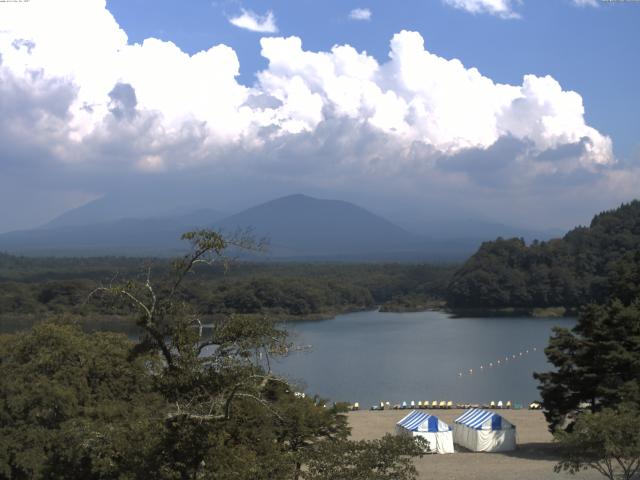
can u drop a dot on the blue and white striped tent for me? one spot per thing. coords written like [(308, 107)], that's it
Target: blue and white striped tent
[(484, 431), (429, 427), (480, 419)]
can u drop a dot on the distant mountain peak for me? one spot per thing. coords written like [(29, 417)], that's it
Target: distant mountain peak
[(300, 198), (299, 226), (296, 196)]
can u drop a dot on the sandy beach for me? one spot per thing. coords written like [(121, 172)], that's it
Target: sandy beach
[(534, 458)]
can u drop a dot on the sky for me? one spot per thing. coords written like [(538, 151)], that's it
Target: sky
[(524, 112)]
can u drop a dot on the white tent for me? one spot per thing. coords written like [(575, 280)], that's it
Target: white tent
[(429, 427), (484, 431)]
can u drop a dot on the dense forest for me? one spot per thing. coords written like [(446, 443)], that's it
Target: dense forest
[(33, 288), (584, 266), (98, 406)]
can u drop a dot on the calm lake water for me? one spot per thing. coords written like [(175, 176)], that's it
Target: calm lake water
[(371, 356)]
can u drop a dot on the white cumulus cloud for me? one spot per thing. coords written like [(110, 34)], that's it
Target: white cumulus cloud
[(256, 23), (416, 96), (360, 14), (501, 8), (77, 100)]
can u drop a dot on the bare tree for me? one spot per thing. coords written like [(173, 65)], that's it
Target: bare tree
[(207, 369)]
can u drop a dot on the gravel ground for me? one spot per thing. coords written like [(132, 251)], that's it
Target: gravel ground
[(534, 458)]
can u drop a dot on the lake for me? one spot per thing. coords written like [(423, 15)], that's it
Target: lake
[(372, 356)]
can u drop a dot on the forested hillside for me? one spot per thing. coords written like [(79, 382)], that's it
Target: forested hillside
[(35, 288), (581, 267)]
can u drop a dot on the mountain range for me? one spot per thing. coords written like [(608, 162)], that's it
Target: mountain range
[(298, 227)]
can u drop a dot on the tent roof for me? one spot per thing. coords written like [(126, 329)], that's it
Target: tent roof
[(482, 420), (423, 422)]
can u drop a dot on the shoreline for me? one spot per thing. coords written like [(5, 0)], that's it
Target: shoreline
[(534, 458), (536, 312), (531, 312), (101, 321)]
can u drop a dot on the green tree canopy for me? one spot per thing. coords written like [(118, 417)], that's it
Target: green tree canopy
[(572, 271), (597, 363), (607, 441), (72, 405), (184, 402)]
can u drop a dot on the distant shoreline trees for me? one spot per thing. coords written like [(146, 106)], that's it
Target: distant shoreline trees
[(36, 288)]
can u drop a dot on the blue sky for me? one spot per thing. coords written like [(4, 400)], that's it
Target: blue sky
[(595, 51), (518, 111)]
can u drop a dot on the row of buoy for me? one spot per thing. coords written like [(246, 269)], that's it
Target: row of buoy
[(499, 362)]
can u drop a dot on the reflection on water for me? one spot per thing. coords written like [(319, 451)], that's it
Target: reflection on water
[(372, 356)]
